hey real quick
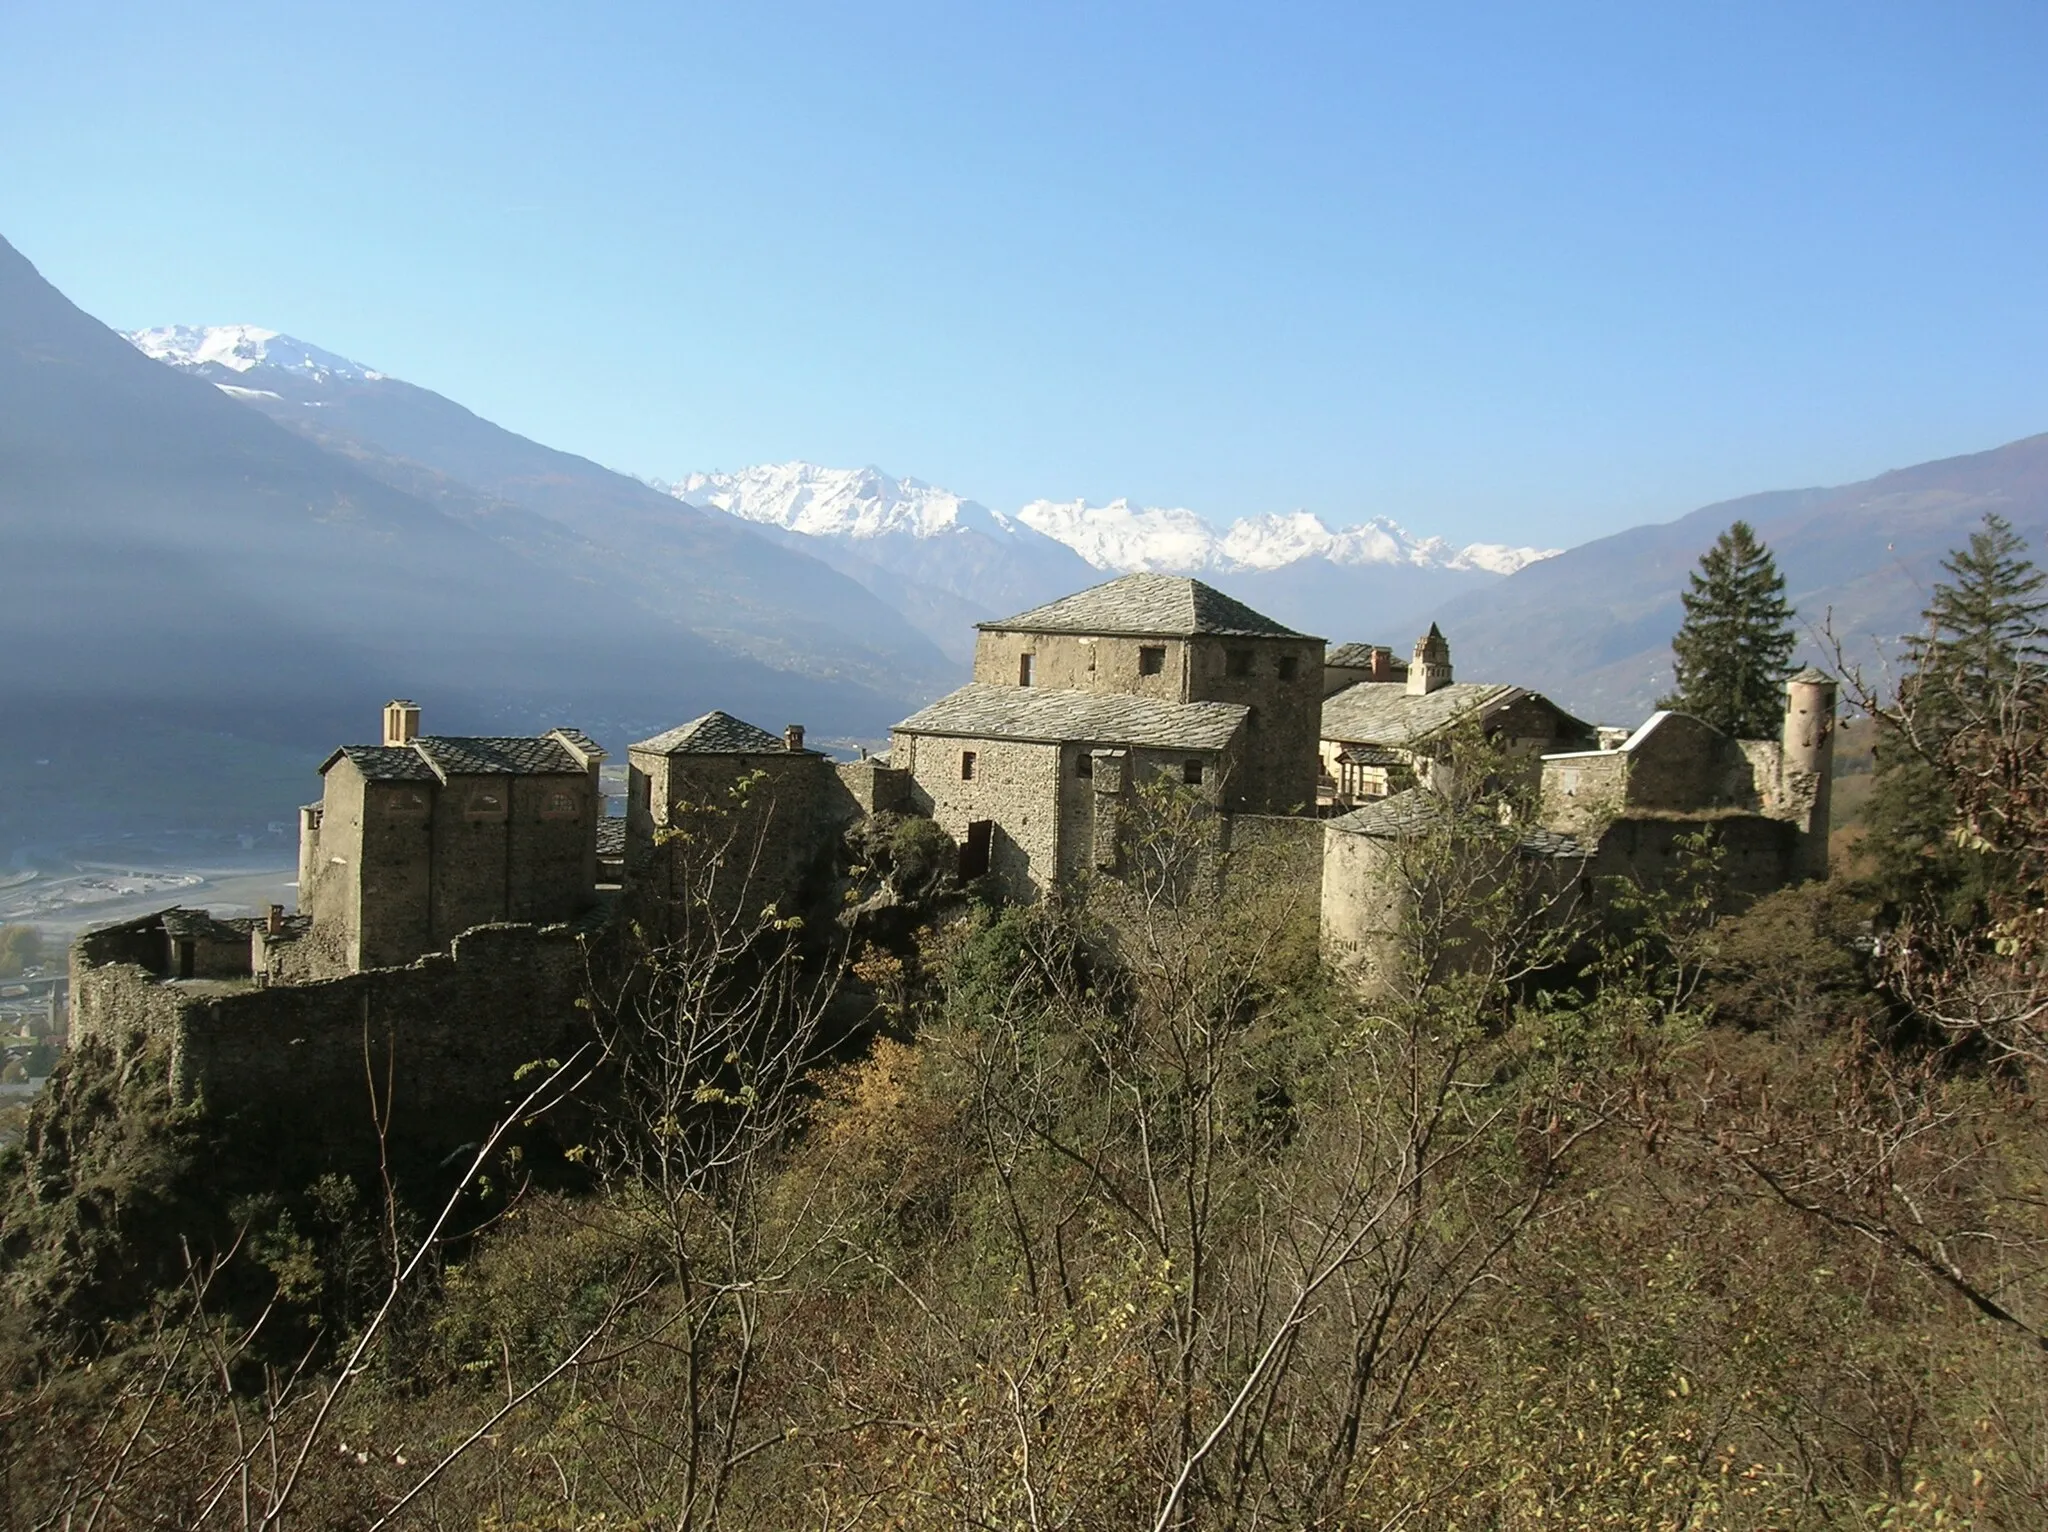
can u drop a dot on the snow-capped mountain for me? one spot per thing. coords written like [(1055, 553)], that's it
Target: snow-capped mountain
[(864, 503), (946, 561), (1125, 537), (242, 348), (943, 561)]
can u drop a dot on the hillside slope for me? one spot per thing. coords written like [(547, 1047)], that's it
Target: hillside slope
[(1593, 625)]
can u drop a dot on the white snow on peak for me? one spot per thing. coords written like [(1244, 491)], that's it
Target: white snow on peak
[(858, 503), (1122, 536), (864, 503), (241, 347)]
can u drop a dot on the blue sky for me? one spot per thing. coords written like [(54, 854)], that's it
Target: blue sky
[(1518, 272)]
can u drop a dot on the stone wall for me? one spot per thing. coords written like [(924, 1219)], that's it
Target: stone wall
[(445, 1036), (1020, 788), (1279, 679), (742, 831), (1077, 663)]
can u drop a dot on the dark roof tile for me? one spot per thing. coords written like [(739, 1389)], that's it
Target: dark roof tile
[(977, 711), (715, 733), (1148, 605)]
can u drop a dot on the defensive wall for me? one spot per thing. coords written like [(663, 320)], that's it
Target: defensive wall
[(444, 1037)]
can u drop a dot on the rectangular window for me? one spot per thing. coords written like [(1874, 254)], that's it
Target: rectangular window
[(1024, 669), (1237, 662), (1084, 765), (1191, 773), (1289, 667), (967, 765), (1151, 659)]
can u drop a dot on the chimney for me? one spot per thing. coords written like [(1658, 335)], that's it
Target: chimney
[(1430, 670), (274, 921), (1382, 664), (401, 722), (793, 737)]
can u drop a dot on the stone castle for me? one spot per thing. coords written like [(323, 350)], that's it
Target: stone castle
[(447, 884)]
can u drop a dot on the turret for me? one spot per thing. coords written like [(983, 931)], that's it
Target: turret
[(1808, 764), (1430, 670)]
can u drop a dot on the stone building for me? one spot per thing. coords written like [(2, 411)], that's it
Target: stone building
[(1629, 812), (1034, 785), (1033, 765), (1166, 638), (419, 838), (723, 815), (1348, 664), (1379, 736)]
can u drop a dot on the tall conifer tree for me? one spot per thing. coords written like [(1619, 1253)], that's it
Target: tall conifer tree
[(1734, 649), (1977, 671)]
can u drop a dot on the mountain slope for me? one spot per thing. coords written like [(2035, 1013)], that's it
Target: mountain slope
[(1593, 626), (683, 564)]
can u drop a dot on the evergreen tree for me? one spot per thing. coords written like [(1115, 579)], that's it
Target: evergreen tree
[(1976, 674), (1734, 649)]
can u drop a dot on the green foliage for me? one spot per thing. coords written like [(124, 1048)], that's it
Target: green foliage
[(1976, 673), (20, 946), (1734, 649)]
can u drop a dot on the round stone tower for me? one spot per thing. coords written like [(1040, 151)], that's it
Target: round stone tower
[(1808, 764)]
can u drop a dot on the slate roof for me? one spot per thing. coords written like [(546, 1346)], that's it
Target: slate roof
[(1394, 817), (385, 763), (1148, 606), (1370, 755), (715, 733), (433, 757), (1811, 673), (1383, 712), (487, 755), (580, 740), (199, 925), (611, 838), (976, 711), (1418, 810), (1357, 657)]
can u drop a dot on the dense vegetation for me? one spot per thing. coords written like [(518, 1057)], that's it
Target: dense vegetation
[(1131, 1215)]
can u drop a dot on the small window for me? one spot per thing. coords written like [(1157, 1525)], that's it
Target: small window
[(1151, 659), (1290, 667), (1084, 764), (1024, 669), (1191, 773), (1237, 662), (967, 765)]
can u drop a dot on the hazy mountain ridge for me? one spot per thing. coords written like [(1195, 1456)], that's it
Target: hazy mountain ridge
[(1593, 626), (648, 552)]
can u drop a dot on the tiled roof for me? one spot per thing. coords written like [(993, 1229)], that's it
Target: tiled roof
[(1383, 712), (580, 740), (483, 755), (976, 711), (385, 763), (1370, 755), (1811, 673), (715, 733), (1148, 605), (199, 925), (611, 838), (1394, 817), (1357, 657), (1419, 810), (434, 757)]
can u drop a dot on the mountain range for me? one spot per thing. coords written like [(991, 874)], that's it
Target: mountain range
[(947, 561), (239, 542)]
